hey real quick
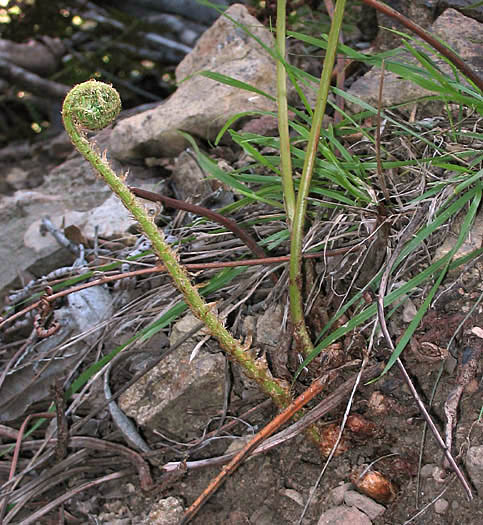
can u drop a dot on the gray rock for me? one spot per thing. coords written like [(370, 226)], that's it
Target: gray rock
[(17, 178), (269, 326), (264, 515), (337, 494), (427, 470), (441, 506), (17, 213), (69, 194), (343, 516), (415, 10), (468, 7), (31, 379), (111, 218), (294, 496), (364, 503), (472, 242), (168, 511), (189, 180), (474, 466), (201, 106), (174, 396), (70, 186), (463, 34)]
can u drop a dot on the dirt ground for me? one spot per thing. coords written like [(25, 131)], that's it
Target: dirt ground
[(272, 488)]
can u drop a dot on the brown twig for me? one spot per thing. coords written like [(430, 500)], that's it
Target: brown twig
[(257, 250), (16, 453), (328, 404), (62, 427), (431, 40), (315, 388), (189, 267), (33, 518), (32, 82)]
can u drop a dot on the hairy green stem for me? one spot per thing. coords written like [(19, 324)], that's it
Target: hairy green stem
[(93, 105), (301, 333), (285, 156)]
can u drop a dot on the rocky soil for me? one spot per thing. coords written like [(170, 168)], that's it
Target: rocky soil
[(192, 405)]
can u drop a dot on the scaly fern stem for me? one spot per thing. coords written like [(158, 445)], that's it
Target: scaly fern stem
[(84, 109)]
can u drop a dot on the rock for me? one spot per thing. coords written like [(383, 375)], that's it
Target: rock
[(174, 396), (441, 506), (427, 470), (237, 517), (71, 186), (168, 511), (409, 311), (467, 7), (70, 190), (201, 106), (189, 180), (474, 466), (342, 516), (268, 326), (337, 494), (269, 338), (374, 484), (32, 380), (473, 241), (17, 212), (366, 505), (17, 178), (264, 515), (415, 10), (60, 147), (461, 33), (294, 496), (237, 444), (111, 218)]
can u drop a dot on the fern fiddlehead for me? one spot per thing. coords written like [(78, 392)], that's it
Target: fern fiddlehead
[(94, 105)]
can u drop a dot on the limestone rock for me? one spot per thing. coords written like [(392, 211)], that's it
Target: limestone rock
[(468, 7), (201, 106), (174, 396), (472, 242), (463, 34), (72, 192), (168, 511), (364, 503), (474, 466), (342, 516)]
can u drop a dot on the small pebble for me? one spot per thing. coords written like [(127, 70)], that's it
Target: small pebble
[(441, 506), (367, 505), (343, 515), (439, 474), (294, 496), (337, 494), (427, 470)]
